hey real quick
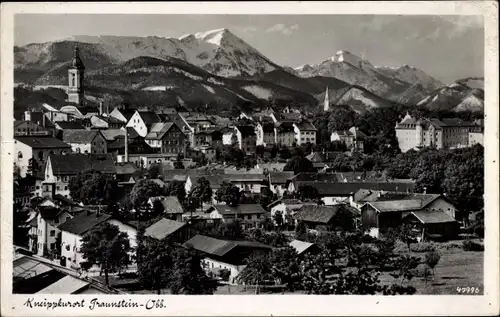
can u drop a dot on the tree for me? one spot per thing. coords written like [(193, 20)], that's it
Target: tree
[(300, 230), (188, 276), (228, 193), (257, 270), (307, 192), (285, 153), (94, 188), (278, 218), (142, 191), (202, 191), (299, 164), (464, 178), (106, 247), (176, 188), (178, 162), (154, 171), (344, 218), (21, 227), (406, 235), (266, 197), (432, 259), (155, 267)]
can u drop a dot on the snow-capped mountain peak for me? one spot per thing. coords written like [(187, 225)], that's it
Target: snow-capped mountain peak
[(218, 51)]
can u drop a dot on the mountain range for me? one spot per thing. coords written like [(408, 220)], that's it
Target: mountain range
[(217, 67)]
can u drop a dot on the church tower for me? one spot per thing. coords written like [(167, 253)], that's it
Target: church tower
[(326, 106), (75, 79)]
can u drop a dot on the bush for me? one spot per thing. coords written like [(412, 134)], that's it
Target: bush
[(469, 245), (423, 247), (432, 259)]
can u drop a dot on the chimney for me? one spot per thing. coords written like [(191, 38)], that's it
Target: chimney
[(425, 190), (43, 120), (126, 146), (100, 108), (27, 115)]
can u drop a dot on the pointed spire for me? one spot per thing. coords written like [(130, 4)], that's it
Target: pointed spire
[(327, 100)]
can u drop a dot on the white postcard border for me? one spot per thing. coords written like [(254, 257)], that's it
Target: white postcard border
[(248, 305)]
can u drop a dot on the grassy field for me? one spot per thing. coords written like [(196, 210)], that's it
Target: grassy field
[(456, 268)]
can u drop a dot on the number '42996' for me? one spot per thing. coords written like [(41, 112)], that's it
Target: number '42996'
[(468, 290)]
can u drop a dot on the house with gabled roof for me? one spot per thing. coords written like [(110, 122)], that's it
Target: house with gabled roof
[(122, 114), (45, 225), (171, 230), (106, 122), (85, 141), (60, 168), (315, 216), (305, 132), (247, 139), (353, 138), (142, 121), (221, 254), (249, 215), (249, 183), (287, 208), (37, 148), (167, 137), (386, 212), (278, 181)]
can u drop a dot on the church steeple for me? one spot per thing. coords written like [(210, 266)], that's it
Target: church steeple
[(75, 78), (326, 103)]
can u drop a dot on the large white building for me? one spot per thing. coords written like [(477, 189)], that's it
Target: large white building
[(416, 133)]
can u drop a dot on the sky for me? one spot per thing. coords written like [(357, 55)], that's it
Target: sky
[(446, 47)]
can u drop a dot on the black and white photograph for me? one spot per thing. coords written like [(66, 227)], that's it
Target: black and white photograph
[(162, 154)]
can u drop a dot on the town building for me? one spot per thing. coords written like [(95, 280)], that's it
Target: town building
[(29, 128), (85, 141), (45, 226), (247, 140), (278, 182), (416, 133), (388, 209), (142, 121), (167, 137), (72, 232), (122, 114), (37, 149), (246, 182), (61, 167), (170, 230), (266, 133), (285, 134), (352, 138), (287, 208), (305, 132), (249, 215), (317, 217), (221, 254)]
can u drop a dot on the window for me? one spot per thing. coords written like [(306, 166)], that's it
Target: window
[(69, 259), (65, 187), (19, 155), (56, 221), (37, 187), (52, 233), (58, 187), (52, 246)]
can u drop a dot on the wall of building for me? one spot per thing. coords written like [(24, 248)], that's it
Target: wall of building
[(234, 269), (70, 247), (476, 138), (137, 123), (23, 154), (131, 231)]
